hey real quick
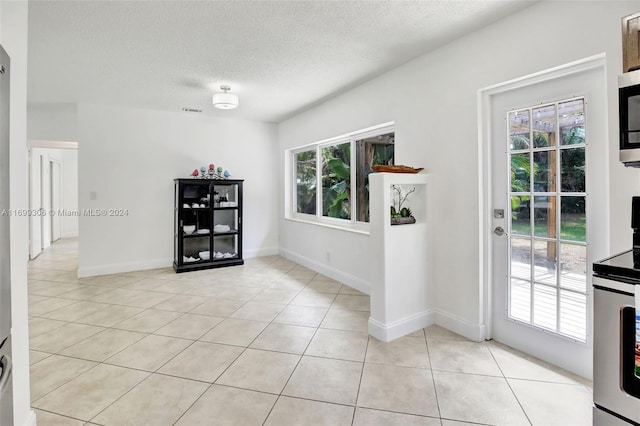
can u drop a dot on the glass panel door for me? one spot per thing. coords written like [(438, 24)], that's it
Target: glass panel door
[(547, 228)]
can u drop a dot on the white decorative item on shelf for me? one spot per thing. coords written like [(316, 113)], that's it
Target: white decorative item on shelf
[(221, 228), (189, 229)]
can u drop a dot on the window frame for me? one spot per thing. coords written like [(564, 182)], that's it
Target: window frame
[(318, 218)]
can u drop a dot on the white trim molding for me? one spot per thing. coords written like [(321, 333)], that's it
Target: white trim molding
[(31, 419), (455, 324), (118, 268), (401, 327), (39, 143), (321, 268)]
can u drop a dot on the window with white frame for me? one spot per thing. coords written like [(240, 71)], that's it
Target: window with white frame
[(332, 177)]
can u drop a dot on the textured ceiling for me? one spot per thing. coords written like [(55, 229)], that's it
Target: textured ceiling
[(280, 57)]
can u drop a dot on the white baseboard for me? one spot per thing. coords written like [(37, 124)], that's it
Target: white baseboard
[(348, 279), (117, 268), (401, 327), (71, 234), (31, 420), (474, 332), (269, 251), (404, 326), (142, 265)]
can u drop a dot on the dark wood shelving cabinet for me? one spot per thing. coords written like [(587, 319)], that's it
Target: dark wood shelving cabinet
[(207, 223)]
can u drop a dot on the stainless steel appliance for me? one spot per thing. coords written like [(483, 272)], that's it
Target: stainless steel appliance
[(629, 110), (616, 387), (6, 385)]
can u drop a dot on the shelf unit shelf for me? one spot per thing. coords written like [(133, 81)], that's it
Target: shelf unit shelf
[(204, 191)]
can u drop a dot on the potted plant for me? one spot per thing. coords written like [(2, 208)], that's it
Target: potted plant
[(400, 215)]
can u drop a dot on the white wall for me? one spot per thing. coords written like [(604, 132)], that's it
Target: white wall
[(13, 37), (433, 101), (129, 158), (53, 122)]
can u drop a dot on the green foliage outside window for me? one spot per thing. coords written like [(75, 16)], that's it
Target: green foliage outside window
[(336, 181), (306, 182)]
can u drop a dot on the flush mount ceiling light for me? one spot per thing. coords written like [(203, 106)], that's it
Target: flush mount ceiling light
[(225, 100)]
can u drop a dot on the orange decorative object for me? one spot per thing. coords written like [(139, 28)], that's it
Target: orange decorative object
[(396, 169)]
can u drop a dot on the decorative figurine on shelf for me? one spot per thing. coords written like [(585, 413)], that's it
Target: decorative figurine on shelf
[(211, 172)]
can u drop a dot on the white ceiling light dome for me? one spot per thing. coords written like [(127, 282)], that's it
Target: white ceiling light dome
[(225, 100)]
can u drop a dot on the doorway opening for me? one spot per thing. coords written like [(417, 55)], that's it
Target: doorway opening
[(53, 193)]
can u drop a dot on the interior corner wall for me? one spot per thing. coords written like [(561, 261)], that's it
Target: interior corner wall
[(52, 122), (433, 101), (13, 37), (129, 157)]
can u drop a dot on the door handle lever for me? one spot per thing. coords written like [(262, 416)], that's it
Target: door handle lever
[(499, 231)]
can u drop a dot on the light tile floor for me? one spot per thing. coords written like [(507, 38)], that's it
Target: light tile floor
[(266, 343)]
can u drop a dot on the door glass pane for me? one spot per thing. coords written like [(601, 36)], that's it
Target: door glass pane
[(545, 216), (544, 306), (571, 118), (545, 257), (336, 181), (544, 126), (520, 171), (547, 247), (573, 219), (572, 170), (519, 132), (573, 272), (520, 300), (306, 182), (544, 176), (521, 258), (520, 217), (573, 310)]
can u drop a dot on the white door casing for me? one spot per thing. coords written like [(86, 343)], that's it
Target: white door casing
[(583, 78), (56, 200), (35, 204)]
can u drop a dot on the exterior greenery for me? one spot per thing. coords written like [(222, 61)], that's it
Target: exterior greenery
[(333, 166), (572, 179), (336, 181), (306, 182)]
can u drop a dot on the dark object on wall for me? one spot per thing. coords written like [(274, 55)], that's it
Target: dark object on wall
[(631, 42)]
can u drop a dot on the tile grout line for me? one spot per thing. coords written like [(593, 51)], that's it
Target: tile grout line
[(262, 289), (364, 361), (433, 378), (508, 384)]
